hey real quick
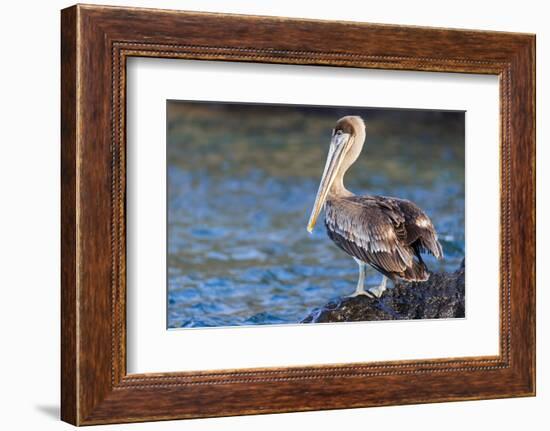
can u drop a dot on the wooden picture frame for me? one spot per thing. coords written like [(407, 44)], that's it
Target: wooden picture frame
[(96, 41)]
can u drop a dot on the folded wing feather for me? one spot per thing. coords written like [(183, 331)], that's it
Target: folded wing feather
[(387, 233)]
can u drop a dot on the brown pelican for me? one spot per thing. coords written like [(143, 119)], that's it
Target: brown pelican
[(385, 232)]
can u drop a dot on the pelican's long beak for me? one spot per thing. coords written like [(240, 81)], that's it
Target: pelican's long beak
[(335, 157)]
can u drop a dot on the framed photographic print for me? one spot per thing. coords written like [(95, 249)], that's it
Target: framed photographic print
[(264, 214)]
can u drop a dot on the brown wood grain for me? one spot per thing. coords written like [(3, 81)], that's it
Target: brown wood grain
[(96, 42), (68, 217)]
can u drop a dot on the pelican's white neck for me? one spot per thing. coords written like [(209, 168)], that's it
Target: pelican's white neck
[(338, 189)]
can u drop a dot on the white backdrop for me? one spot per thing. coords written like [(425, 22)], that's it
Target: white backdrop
[(29, 220), (151, 348)]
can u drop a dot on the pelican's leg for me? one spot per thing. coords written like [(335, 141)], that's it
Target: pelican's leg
[(379, 290), (360, 289)]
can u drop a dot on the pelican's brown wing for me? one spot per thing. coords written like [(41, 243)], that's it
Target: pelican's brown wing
[(420, 230), (372, 232), (387, 233)]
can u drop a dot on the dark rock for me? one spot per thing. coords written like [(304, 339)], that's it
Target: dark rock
[(441, 296)]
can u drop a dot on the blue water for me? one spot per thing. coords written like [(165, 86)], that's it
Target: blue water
[(239, 198)]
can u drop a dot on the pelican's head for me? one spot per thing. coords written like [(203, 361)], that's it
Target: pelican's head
[(346, 143)]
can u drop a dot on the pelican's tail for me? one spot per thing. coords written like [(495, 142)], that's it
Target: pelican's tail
[(417, 272)]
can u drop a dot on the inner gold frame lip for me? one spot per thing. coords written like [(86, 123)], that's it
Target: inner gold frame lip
[(124, 50)]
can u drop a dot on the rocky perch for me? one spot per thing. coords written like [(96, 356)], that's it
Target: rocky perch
[(441, 296)]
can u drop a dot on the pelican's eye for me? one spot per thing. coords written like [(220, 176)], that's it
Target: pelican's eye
[(338, 133)]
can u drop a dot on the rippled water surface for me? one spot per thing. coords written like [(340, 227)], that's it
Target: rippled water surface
[(242, 180)]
